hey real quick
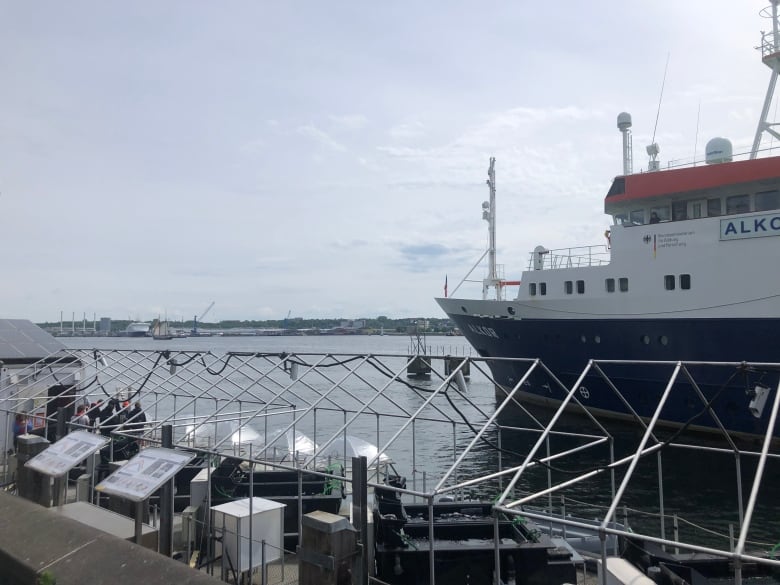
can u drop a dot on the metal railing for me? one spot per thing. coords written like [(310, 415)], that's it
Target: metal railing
[(595, 255), (482, 442)]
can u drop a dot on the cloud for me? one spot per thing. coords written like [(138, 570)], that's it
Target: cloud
[(407, 131), (429, 256), (350, 121), (317, 135)]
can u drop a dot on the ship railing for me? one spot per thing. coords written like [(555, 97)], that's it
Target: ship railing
[(577, 257), (770, 44)]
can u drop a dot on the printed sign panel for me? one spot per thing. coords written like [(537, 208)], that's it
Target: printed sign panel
[(753, 226), (65, 454), (140, 477)]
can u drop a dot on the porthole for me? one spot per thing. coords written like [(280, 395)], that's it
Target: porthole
[(464, 309), (510, 310), (663, 340), (646, 339), (597, 339), (583, 339)]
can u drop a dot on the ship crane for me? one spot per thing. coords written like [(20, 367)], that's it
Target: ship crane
[(202, 315)]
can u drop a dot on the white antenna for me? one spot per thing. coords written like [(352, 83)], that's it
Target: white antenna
[(653, 149), (696, 140), (624, 125), (770, 55)]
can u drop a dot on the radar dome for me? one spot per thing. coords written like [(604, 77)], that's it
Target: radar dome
[(718, 151), (624, 120)]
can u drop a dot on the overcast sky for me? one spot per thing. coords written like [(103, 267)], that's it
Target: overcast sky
[(329, 159)]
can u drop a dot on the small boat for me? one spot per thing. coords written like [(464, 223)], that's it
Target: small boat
[(683, 274), (464, 544)]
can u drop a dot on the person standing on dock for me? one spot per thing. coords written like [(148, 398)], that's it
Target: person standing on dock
[(136, 420), (80, 420), (22, 426)]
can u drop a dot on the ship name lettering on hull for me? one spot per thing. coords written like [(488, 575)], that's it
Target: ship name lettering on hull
[(482, 330), (750, 227)]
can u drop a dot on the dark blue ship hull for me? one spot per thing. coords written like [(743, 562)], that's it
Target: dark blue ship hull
[(566, 346)]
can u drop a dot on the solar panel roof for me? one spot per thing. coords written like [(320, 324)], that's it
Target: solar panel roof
[(21, 339)]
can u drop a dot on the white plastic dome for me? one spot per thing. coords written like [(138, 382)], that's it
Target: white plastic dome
[(718, 150)]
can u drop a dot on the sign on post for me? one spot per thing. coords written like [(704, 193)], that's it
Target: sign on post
[(140, 477), (60, 457)]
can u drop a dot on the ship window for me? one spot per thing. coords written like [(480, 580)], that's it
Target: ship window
[(663, 340), (532, 289), (669, 282), (662, 212), (621, 218), (697, 209), (542, 288), (714, 207), (678, 211), (568, 287), (685, 281), (510, 310), (580, 287), (597, 339), (623, 283), (737, 204), (766, 200), (638, 217), (610, 284), (646, 339)]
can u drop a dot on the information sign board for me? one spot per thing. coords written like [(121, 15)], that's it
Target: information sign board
[(60, 457), (140, 477)]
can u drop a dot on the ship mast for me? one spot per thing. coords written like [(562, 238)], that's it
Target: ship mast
[(489, 215), (770, 55)]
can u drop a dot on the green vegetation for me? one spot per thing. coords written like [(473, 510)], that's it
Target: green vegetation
[(364, 325)]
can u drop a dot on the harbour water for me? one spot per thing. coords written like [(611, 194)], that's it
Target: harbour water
[(701, 487)]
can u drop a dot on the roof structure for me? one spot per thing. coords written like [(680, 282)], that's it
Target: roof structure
[(22, 341)]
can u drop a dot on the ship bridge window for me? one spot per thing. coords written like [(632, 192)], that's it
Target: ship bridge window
[(679, 211), (568, 287), (542, 288), (685, 281), (669, 282), (610, 285), (620, 218), (580, 287), (623, 284), (638, 217), (532, 289), (662, 212), (737, 204), (766, 200), (714, 208)]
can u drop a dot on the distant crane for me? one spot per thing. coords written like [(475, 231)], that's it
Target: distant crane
[(202, 315), (287, 319)]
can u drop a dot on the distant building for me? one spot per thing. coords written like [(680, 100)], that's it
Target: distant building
[(105, 325)]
